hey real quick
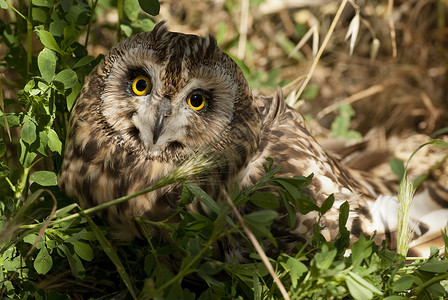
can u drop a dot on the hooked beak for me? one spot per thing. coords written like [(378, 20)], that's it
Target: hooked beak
[(163, 112)]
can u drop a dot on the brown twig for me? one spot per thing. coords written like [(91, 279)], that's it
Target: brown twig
[(243, 29), (390, 5), (353, 98), (321, 49), (258, 248)]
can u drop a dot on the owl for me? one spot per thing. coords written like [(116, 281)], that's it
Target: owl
[(159, 99)]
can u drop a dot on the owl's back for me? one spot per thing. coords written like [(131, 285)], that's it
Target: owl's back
[(373, 201)]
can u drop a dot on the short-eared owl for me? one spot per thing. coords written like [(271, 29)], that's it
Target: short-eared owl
[(160, 98)]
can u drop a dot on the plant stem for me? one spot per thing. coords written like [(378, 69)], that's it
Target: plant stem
[(29, 29), (419, 289), (163, 182), (92, 13), (120, 18), (258, 248), (185, 270)]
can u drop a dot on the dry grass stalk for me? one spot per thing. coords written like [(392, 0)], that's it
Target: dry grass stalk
[(321, 50), (258, 248), (353, 98)]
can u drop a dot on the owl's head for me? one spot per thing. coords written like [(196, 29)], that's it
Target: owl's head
[(171, 95)]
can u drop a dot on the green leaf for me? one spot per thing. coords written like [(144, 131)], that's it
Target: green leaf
[(310, 92), (186, 197), (71, 98), (361, 250), (113, 256), (30, 238), (54, 143), (328, 203), (439, 132), (435, 266), (46, 62), (324, 259), (260, 222), (265, 200), (28, 133), (84, 61), (341, 124), (43, 261), (295, 268), (126, 29), (357, 290), (68, 77), (303, 202), (75, 263), (39, 15), (364, 283), (43, 142), (83, 250), (3, 4), (4, 170), (397, 167), (262, 217), (2, 147), (203, 197), (206, 199), (58, 26), (44, 178), (344, 211), (26, 158), (151, 7), (402, 284), (48, 40), (44, 3), (292, 216), (440, 143), (395, 298), (437, 291), (131, 9)]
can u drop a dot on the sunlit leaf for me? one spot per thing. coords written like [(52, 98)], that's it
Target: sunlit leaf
[(46, 62), (44, 3), (3, 4), (397, 167), (83, 250), (53, 141), (435, 266), (68, 77), (28, 133), (44, 178), (48, 40), (43, 261)]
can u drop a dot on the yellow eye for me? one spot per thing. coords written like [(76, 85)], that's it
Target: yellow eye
[(141, 85), (196, 101)]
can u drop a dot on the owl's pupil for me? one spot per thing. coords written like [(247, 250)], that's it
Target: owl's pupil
[(141, 85), (196, 100)]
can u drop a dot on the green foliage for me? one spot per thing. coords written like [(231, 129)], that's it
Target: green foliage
[(51, 249), (341, 124)]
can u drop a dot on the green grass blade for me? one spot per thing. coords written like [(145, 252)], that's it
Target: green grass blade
[(112, 254)]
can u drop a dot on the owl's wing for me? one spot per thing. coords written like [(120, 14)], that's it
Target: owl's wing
[(373, 203)]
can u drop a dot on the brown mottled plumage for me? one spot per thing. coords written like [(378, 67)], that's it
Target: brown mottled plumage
[(121, 142)]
